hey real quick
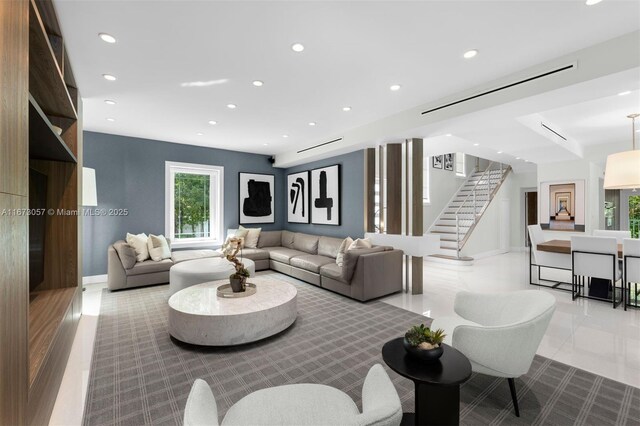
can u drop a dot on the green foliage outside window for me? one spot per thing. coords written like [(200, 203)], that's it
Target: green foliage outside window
[(191, 202), (634, 215)]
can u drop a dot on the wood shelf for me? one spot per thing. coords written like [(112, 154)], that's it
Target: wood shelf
[(47, 311), (44, 143), (46, 81)]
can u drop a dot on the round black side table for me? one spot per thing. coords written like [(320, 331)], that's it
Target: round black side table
[(437, 385)]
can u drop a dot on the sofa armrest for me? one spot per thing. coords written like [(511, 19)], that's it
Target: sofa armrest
[(377, 274), (116, 276)]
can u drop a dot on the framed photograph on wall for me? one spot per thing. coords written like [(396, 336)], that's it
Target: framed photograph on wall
[(561, 205), (298, 197), (257, 198), (437, 161), (325, 195), (448, 162)]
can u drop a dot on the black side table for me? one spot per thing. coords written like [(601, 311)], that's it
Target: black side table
[(437, 385)]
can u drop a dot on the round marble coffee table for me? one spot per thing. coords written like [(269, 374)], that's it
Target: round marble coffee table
[(192, 272), (198, 316)]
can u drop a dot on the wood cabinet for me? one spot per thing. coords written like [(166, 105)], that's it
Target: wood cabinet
[(37, 324)]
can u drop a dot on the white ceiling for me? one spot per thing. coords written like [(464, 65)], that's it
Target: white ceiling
[(353, 52)]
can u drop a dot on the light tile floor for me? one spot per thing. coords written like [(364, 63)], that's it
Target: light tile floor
[(587, 334)]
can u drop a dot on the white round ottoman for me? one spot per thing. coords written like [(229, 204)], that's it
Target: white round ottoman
[(192, 272)]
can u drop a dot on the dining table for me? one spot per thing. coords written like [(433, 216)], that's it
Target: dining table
[(563, 246)]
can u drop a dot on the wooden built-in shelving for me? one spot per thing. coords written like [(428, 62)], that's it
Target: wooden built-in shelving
[(44, 142)]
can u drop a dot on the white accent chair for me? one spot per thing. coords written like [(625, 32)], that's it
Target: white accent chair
[(301, 404), (618, 235), (594, 257), (499, 332), (545, 259), (631, 255)]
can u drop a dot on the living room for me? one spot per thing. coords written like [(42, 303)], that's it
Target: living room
[(203, 225)]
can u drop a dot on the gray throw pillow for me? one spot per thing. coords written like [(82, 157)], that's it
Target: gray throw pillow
[(126, 253)]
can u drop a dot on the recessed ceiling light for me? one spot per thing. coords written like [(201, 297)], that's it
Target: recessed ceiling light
[(626, 92), (517, 158), (107, 38), (347, 108), (111, 119), (232, 106), (285, 136), (212, 122), (499, 152), (265, 144), (470, 54), (109, 77), (199, 133), (394, 87), (297, 47), (592, 2), (258, 83), (312, 123), (476, 144), (109, 102), (448, 135)]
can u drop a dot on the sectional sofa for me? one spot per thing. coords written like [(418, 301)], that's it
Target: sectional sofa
[(366, 273)]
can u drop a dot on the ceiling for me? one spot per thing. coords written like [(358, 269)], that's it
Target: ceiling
[(353, 52)]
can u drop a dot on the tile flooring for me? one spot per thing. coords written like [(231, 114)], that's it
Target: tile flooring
[(586, 334)]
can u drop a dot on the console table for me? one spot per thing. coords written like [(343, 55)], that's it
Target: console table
[(437, 384)]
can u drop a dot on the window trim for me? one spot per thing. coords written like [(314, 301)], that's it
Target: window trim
[(464, 165), (216, 197)]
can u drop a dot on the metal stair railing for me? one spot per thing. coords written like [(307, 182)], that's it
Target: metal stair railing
[(472, 196)]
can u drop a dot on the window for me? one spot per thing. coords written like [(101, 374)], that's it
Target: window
[(194, 205), (460, 166), (425, 181)]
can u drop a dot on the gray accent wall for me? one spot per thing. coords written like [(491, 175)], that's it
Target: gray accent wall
[(130, 174), (351, 198)]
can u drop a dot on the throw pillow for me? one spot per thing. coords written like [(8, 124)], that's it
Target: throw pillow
[(343, 248), (158, 247), (139, 244), (126, 253), (242, 234), (253, 234), (360, 243)]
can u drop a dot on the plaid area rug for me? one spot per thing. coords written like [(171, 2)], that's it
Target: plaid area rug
[(139, 375)]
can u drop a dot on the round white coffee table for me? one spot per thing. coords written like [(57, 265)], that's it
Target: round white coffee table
[(192, 272), (198, 316)]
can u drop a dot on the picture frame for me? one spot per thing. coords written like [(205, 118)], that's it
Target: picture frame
[(448, 162), (298, 196), (436, 161), (562, 205), (256, 196), (325, 195)]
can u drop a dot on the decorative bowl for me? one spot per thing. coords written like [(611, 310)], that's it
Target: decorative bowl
[(424, 355)]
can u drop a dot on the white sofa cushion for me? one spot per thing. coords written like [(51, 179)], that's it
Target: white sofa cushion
[(158, 247)]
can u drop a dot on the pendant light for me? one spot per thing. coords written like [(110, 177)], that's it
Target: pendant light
[(623, 168)]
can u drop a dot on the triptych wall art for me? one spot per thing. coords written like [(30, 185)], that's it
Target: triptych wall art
[(312, 197)]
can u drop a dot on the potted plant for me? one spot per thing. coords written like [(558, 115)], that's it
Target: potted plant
[(238, 279), (423, 343)]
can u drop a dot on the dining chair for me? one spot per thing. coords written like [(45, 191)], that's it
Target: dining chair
[(618, 235), (545, 259), (594, 257), (631, 256)]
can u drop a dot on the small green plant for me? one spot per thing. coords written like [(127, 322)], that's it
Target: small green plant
[(424, 338)]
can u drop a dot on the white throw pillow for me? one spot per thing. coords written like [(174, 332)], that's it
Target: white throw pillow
[(251, 239), (360, 243), (139, 244), (343, 248), (158, 247)]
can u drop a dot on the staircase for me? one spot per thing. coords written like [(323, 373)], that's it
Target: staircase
[(458, 219)]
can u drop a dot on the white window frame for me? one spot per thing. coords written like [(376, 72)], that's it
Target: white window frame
[(426, 182), (216, 198), (462, 173)]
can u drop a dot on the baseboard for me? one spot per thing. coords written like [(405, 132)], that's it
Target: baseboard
[(519, 249), (94, 279), (488, 254)]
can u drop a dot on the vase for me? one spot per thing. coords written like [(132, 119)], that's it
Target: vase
[(238, 284), (424, 355)]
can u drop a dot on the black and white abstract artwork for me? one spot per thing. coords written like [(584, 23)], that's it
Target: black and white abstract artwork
[(437, 161), (448, 161), (325, 195), (298, 197), (257, 198)]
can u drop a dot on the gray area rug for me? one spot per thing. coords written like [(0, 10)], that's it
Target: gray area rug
[(139, 375)]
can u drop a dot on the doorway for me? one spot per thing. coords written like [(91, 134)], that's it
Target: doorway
[(530, 212)]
